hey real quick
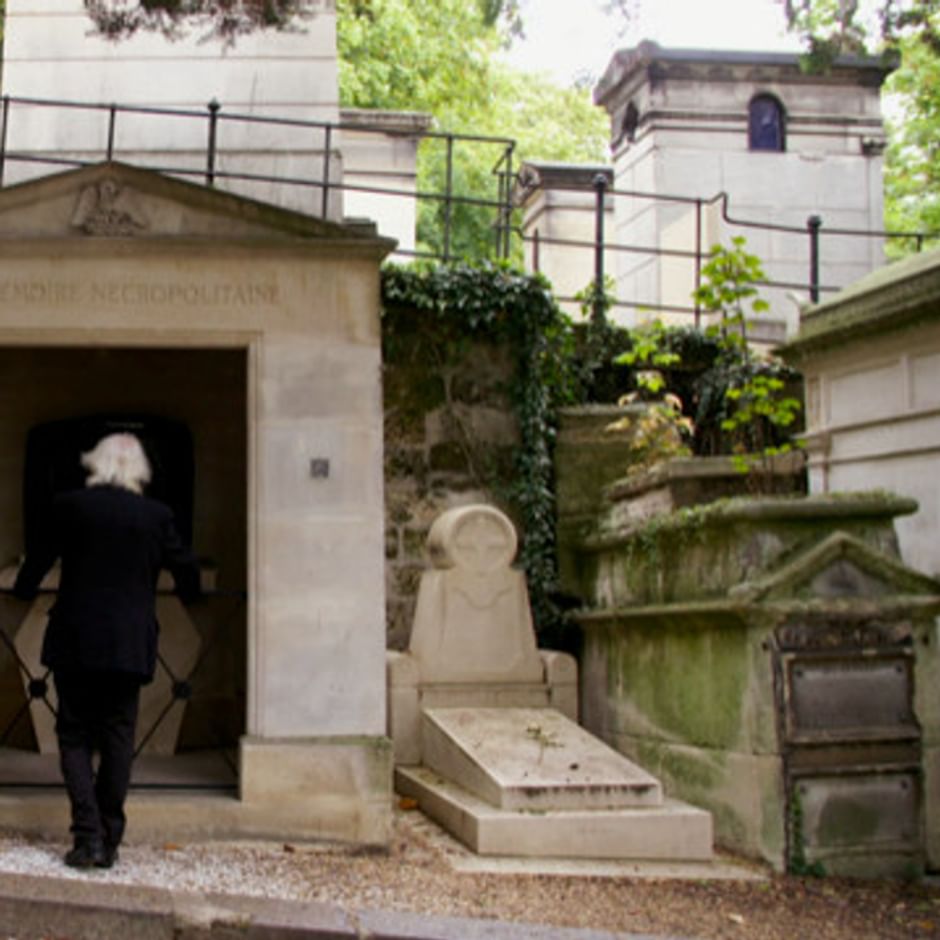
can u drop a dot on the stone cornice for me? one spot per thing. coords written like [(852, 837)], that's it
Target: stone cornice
[(896, 296), (650, 60)]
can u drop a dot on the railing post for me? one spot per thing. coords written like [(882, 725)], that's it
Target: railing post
[(325, 192), (214, 108), (598, 305), (501, 185), (813, 225), (507, 207), (698, 261), (3, 136), (448, 195), (112, 116)]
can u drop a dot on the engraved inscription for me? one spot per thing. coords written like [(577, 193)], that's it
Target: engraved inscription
[(835, 635), (16, 291), (137, 293)]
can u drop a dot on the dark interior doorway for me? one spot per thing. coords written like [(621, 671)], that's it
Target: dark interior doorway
[(202, 392)]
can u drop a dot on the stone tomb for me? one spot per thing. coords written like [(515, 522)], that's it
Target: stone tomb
[(477, 742), (781, 673), (125, 291)]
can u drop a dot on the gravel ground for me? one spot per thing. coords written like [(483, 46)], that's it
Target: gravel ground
[(422, 873)]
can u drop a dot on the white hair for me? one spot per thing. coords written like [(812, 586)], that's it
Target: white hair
[(119, 460)]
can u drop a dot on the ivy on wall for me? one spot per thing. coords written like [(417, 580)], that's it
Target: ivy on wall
[(461, 304), (441, 311)]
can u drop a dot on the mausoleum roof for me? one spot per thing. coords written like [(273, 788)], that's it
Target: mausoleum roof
[(119, 201), (713, 65)]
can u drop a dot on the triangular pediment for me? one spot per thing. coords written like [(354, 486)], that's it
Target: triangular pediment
[(840, 566), (115, 200)]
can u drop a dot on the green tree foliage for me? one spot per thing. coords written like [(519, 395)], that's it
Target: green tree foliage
[(447, 64), (415, 55), (833, 27), (912, 164), (739, 403), (907, 31), (229, 18)]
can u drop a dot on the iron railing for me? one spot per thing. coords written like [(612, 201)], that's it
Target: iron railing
[(499, 202), (812, 233), (223, 630)]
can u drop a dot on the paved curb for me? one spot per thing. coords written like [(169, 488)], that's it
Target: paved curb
[(39, 908)]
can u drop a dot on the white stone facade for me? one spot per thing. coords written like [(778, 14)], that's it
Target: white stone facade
[(679, 122), (259, 328), (51, 54), (264, 77), (870, 357), (380, 152)]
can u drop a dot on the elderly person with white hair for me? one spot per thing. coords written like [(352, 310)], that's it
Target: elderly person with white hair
[(101, 638)]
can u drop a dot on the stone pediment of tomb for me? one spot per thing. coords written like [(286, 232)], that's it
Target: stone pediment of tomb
[(840, 566), (115, 200)]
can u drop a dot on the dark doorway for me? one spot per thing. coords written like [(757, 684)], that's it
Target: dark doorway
[(194, 394)]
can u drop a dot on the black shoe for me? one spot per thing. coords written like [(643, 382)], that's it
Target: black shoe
[(109, 855), (86, 855)]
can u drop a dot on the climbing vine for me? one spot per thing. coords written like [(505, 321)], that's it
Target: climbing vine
[(709, 392), (462, 303)]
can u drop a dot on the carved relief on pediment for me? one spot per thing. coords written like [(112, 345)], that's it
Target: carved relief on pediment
[(107, 208)]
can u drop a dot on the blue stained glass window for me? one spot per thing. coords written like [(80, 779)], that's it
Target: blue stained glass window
[(766, 124)]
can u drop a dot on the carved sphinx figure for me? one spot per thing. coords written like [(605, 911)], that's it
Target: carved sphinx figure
[(472, 620)]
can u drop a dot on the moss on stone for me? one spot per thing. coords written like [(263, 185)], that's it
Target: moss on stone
[(845, 821), (690, 684), (693, 773)]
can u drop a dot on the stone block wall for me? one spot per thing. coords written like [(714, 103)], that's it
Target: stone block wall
[(450, 434)]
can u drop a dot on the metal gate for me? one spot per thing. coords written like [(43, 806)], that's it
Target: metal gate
[(206, 699)]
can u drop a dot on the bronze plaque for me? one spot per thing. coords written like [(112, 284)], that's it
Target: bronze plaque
[(851, 697), (859, 810)]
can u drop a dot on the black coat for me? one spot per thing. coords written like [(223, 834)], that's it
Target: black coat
[(113, 544)]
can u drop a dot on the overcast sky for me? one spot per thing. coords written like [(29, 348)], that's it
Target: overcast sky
[(573, 38)]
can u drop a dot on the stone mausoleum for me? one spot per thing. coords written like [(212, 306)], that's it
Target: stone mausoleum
[(711, 144), (242, 341)]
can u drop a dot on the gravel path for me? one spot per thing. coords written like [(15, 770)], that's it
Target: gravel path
[(422, 873)]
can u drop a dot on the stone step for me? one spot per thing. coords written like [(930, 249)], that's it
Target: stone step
[(182, 816), (532, 759), (672, 831)]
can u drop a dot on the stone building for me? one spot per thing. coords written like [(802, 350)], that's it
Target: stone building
[(275, 97), (870, 355), (138, 301), (702, 138)]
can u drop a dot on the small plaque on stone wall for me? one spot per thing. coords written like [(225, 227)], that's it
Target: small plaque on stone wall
[(860, 811), (855, 698)]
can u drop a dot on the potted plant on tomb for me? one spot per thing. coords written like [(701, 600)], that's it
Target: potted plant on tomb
[(716, 408)]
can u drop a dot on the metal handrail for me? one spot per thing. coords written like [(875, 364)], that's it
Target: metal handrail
[(502, 205), (216, 118)]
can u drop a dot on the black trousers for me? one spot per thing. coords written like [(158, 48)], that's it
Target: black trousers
[(97, 712)]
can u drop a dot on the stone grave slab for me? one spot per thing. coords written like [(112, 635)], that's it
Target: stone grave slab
[(672, 831), (532, 759)]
